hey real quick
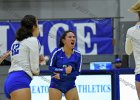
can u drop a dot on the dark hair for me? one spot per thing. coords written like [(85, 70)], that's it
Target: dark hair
[(61, 44), (26, 28)]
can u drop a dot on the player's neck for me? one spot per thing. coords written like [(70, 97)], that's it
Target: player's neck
[(68, 51)]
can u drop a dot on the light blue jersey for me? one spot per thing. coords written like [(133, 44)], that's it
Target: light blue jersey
[(24, 64), (132, 45)]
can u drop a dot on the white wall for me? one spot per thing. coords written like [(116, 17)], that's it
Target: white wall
[(58, 8), (124, 6)]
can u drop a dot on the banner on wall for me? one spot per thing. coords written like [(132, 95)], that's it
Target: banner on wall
[(94, 36), (91, 87)]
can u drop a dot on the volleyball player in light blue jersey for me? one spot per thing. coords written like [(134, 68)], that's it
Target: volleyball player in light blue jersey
[(132, 44), (65, 65), (24, 60)]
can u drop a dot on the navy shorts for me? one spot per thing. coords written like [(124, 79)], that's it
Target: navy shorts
[(63, 86), (137, 77), (16, 80)]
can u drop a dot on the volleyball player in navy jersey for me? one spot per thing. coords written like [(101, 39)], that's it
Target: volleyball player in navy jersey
[(65, 65), (24, 60)]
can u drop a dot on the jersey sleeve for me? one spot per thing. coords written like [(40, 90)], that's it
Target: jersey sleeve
[(34, 55), (128, 43), (77, 70), (52, 63)]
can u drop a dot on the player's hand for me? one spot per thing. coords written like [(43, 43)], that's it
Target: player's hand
[(68, 69), (41, 59), (4, 56), (57, 76)]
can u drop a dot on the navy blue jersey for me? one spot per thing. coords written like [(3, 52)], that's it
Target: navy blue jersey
[(59, 61)]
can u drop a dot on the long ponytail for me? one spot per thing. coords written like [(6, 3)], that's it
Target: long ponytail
[(26, 28)]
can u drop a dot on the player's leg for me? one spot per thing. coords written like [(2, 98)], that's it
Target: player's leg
[(72, 94), (138, 88), (17, 86), (21, 94), (55, 94), (137, 83)]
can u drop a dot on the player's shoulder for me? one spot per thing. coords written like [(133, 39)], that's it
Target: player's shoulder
[(133, 31), (15, 42), (56, 50), (77, 52), (31, 42), (32, 39), (133, 28)]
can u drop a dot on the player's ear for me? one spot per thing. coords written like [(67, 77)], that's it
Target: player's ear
[(63, 40), (34, 27)]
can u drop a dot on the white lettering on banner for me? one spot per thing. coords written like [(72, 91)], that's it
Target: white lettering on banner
[(81, 40), (3, 38), (53, 35), (41, 35)]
